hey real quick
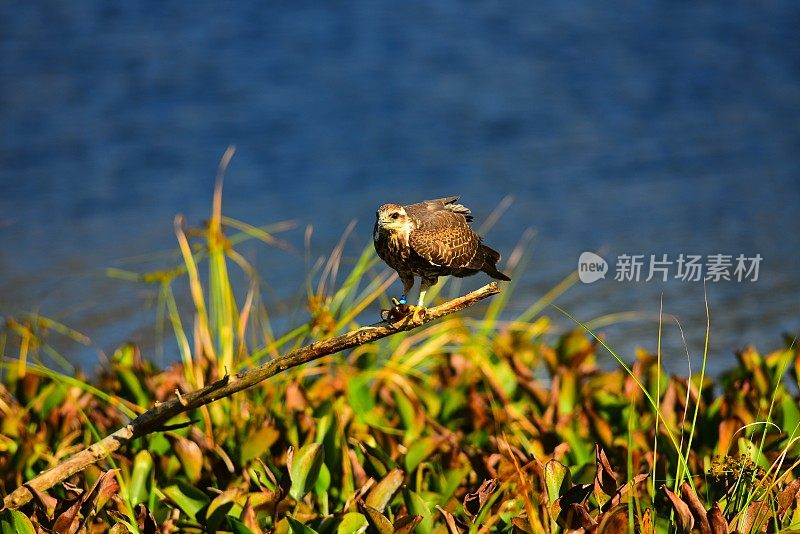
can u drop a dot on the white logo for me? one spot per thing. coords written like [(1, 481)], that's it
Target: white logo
[(591, 267), (663, 267)]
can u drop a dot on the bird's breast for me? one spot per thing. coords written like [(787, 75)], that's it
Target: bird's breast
[(397, 246), (392, 247)]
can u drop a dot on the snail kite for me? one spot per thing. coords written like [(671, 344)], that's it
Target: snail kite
[(431, 239)]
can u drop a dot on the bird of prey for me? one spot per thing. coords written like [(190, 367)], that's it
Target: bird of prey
[(430, 239)]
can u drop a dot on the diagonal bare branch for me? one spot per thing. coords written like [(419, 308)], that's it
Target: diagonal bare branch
[(154, 419)]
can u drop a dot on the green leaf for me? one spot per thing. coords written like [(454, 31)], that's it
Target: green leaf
[(377, 519), (300, 528), (378, 458), (158, 444), (359, 395), (568, 393), (417, 506), (258, 443), (142, 466), (125, 358), (237, 527), (409, 415), (304, 467), (223, 505), (325, 423), (327, 525), (190, 456), (352, 523), (556, 478), (421, 449), (790, 414), (125, 355), (189, 499), (321, 487), (453, 479), (52, 397), (14, 522), (506, 377), (452, 402)]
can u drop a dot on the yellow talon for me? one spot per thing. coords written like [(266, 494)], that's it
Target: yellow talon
[(418, 314), (404, 312)]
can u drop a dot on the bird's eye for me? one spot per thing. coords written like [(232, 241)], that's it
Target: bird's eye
[(395, 215)]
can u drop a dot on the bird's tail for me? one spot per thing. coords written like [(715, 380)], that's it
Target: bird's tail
[(490, 264)]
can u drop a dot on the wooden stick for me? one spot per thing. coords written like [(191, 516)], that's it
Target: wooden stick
[(154, 419)]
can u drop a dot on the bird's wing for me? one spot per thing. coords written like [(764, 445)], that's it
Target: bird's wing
[(426, 208), (444, 238)]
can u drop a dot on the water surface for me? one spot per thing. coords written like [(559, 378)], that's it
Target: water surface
[(624, 127)]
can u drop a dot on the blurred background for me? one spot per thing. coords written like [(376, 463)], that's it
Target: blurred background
[(620, 127)]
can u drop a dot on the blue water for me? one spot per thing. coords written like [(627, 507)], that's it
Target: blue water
[(625, 127)]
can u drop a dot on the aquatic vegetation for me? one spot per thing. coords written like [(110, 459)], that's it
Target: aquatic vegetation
[(470, 424)]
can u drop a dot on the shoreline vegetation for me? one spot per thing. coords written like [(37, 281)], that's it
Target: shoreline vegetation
[(465, 424)]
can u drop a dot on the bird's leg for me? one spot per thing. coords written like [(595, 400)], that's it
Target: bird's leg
[(418, 311), (400, 308), (423, 288), (408, 283), (424, 285)]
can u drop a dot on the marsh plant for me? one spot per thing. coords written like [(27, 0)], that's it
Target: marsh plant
[(479, 422)]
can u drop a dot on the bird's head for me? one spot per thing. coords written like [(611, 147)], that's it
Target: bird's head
[(393, 218)]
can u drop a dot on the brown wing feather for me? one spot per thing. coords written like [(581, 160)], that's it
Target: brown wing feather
[(444, 238), (427, 208)]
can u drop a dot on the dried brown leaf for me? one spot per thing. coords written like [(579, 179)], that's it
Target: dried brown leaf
[(478, 408), (684, 514), (248, 517), (67, 522), (92, 501), (578, 517), (696, 508), (375, 518), (449, 520), (72, 489), (727, 430), (145, 520), (717, 521), (623, 489), (646, 524), (600, 426), (473, 502), (605, 481), (104, 488), (575, 495), (294, 399), (756, 515), (407, 524), (615, 521), (788, 496), (360, 476), (189, 454), (385, 490), (45, 502), (669, 405), (521, 525)]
